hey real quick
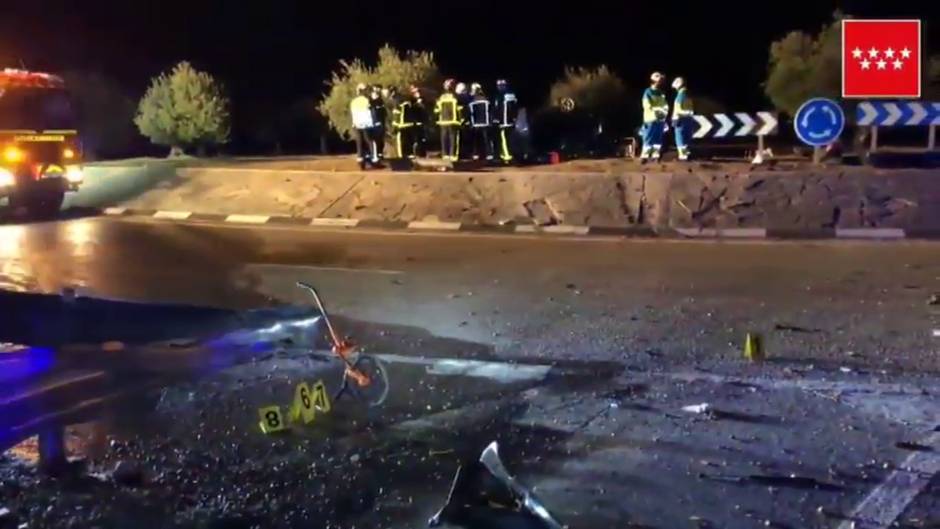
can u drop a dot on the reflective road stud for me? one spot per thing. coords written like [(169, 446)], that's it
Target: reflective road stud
[(303, 408), (321, 400), (272, 420), (753, 347)]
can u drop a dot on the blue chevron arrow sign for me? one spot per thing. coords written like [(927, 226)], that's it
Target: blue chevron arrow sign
[(897, 113)]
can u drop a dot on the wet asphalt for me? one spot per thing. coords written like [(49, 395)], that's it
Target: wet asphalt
[(615, 337)]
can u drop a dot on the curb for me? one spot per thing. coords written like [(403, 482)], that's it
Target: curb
[(885, 234)]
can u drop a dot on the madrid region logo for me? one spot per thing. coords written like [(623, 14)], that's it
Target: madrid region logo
[(881, 58)]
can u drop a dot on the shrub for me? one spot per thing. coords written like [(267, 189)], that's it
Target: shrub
[(392, 68), (184, 108)]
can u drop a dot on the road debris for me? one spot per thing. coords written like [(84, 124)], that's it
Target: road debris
[(795, 328), (128, 473), (697, 408), (790, 481), (916, 447), (484, 494)]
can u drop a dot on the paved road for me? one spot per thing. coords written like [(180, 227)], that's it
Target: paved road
[(847, 326)]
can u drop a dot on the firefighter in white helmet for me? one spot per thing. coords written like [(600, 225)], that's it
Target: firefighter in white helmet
[(682, 122), (363, 122), (655, 112)]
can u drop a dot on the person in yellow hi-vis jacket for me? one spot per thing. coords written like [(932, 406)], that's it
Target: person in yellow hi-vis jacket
[(655, 112), (449, 119), (363, 122), (682, 123)]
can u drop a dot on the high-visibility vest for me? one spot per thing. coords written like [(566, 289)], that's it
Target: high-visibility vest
[(480, 113), (507, 109), (402, 115), (682, 106), (361, 111), (655, 106), (447, 110)]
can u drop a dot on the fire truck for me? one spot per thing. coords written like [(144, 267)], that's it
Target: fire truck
[(40, 150)]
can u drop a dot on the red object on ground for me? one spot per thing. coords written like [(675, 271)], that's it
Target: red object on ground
[(554, 158), (881, 58)]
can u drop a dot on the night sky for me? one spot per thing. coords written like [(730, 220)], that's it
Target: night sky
[(275, 52)]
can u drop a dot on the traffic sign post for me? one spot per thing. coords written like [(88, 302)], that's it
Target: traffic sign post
[(819, 122)]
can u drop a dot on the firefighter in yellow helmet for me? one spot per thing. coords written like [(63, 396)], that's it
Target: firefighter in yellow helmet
[(655, 112), (449, 119)]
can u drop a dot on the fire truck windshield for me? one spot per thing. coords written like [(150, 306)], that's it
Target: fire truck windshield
[(33, 108)]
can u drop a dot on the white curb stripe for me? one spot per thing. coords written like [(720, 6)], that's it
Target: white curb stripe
[(562, 228), (869, 233), (433, 225), (348, 223), (883, 505), (114, 211), (172, 215), (729, 233), (554, 228), (248, 219)]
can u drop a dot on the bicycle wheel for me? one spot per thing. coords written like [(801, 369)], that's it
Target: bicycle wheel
[(376, 392)]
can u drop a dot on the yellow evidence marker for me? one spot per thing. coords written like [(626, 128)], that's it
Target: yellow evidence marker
[(271, 419), (754, 347), (303, 406), (321, 400)]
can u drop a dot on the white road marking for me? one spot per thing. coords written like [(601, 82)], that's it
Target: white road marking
[(562, 228), (523, 232), (887, 501), (172, 215), (314, 268), (325, 221), (248, 219), (502, 372), (870, 233), (433, 225)]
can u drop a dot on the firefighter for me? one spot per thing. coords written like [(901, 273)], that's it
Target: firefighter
[(420, 119), (363, 122), (682, 118), (655, 111), (402, 125), (379, 116), (449, 119), (406, 121), (505, 112), (463, 134), (480, 123)]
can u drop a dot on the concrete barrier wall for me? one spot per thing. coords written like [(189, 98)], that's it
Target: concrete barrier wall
[(783, 200)]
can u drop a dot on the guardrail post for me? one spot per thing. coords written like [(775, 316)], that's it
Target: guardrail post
[(874, 139), (932, 138)]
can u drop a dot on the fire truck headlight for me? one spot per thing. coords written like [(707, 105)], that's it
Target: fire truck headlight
[(13, 154), (74, 174), (6, 178)]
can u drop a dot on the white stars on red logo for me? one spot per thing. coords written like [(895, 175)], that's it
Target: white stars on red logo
[(880, 58)]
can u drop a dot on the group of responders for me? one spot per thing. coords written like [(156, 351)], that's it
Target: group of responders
[(304, 408), (472, 124)]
